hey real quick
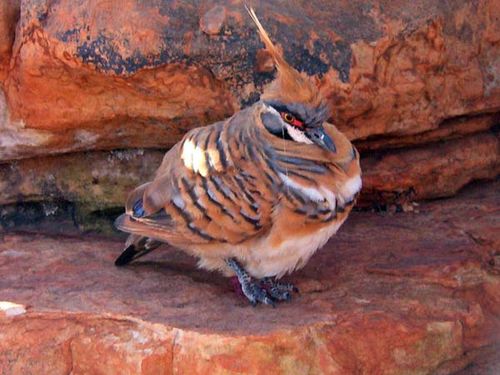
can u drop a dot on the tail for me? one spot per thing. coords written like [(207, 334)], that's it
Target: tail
[(136, 247), (142, 240)]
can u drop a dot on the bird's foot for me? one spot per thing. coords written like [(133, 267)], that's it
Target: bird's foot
[(251, 289), (265, 291), (278, 291)]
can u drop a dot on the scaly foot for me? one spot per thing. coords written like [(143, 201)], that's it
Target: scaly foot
[(265, 291), (278, 291)]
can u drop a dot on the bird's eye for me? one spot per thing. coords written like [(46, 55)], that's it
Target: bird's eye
[(288, 117), (291, 119)]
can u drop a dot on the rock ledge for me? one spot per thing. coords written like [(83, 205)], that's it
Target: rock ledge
[(405, 293)]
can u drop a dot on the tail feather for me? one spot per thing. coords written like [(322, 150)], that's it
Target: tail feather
[(136, 247), (127, 256)]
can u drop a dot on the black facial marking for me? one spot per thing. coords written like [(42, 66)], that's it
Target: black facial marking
[(275, 126), (310, 116)]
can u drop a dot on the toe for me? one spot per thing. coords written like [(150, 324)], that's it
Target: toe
[(256, 294), (280, 295), (268, 301)]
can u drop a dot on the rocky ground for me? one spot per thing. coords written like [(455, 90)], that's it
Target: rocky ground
[(406, 293)]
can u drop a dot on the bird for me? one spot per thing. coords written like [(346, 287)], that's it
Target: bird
[(253, 196)]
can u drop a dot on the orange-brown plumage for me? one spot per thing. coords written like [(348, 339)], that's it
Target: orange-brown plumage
[(262, 190)]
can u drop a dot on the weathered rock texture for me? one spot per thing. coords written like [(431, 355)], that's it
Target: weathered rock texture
[(117, 74), (430, 171), (101, 180), (410, 293), (9, 13), (84, 76)]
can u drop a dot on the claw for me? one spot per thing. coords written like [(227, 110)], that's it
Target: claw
[(266, 291), (279, 291), (255, 293)]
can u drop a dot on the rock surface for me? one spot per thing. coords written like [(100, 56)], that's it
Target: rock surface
[(431, 171), (93, 93), (411, 293), (9, 13), (121, 74), (101, 180)]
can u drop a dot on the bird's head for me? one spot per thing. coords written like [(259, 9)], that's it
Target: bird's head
[(294, 107)]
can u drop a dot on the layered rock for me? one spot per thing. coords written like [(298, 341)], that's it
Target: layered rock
[(93, 93), (405, 293), (9, 14), (126, 74), (430, 171), (101, 180)]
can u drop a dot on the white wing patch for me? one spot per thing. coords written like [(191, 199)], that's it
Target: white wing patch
[(194, 158)]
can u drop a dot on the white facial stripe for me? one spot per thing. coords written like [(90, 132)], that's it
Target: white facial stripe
[(272, 110), (296, 134)]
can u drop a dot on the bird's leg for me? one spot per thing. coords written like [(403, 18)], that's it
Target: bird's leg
[(277, 290), (251, 289)]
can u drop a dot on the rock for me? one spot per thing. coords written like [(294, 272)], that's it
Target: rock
[(128, 75), (102, 180), (11, 309), (9, 13), (212, 21), (103, 75), (403, 293), (450, 129), (431, 171), (97, 180)]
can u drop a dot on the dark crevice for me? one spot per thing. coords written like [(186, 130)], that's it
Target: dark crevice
[(58, 217)]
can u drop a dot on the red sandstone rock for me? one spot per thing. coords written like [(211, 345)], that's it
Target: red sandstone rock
[(98, 180), (406, 293), (106, 75), (432, 171), (450, 129), (9, 12), (211, 23), (101, 180), (122, 74)]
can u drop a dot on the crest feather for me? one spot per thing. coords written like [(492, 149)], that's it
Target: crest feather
[(275, 53), (290, 86)]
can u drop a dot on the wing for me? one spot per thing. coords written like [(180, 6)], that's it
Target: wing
[(211, 187)]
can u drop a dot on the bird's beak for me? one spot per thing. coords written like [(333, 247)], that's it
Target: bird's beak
[(319, 137)]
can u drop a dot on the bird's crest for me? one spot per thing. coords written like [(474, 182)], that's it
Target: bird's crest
[(289, 86), (278, 58)]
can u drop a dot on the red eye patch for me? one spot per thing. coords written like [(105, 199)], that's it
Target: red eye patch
[(291, 119)]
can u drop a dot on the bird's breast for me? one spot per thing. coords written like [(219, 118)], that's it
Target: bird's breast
[(292, 253)]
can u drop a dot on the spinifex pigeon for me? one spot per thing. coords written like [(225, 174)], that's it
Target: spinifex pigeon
[(253, 196)]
